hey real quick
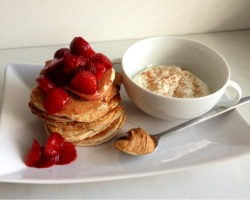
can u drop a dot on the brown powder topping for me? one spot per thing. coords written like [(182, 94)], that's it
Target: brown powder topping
[(172, 81)]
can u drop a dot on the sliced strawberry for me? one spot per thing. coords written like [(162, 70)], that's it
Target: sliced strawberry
[(54, 144), (100, 71), (60, 52), (55, 151), (73, 62), (52, 66), (68, 154), (45, 83), (46, 161), (84, 82), (60, 77), (34, 154), (101, 59), (89, 66), (80, 46), (102, 86), (55, 100)]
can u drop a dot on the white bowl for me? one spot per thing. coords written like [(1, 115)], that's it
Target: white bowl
[(201, 60)]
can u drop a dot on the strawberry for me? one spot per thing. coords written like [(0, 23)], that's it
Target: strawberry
[(45, 83), (97, 69), (60, 52), (54, 144), (84, 82), (68, 154), (34, 154), (80, 46), (60, 78), (101, 59), (72, 62), (100, 71), (55, 100), (55, 151), (51, 66), (89, 66), (46, 161)]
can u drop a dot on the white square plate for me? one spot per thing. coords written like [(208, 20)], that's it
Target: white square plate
[(212, 141)]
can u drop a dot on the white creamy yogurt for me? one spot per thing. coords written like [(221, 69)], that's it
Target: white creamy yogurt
[(171, 81)]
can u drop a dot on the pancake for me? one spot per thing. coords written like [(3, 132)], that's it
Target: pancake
[(115, 101), (101, 137), (75, 108), (83, 122), (74, 131)]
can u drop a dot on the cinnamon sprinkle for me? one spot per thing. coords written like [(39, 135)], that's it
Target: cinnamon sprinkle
[(172, 81)]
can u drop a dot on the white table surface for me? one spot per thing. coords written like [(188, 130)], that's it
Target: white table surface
[(228, 179)]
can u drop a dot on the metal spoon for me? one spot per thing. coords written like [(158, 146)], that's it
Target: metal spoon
[(212, 113)]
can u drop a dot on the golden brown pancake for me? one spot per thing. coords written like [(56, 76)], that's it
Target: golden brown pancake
[(85, 117), (76, 108), (74, 131), (102, 136)]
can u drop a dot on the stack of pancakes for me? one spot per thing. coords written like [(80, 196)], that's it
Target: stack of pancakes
[(84, 123)]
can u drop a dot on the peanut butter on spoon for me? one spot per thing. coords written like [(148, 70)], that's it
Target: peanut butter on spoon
[(137, 142)]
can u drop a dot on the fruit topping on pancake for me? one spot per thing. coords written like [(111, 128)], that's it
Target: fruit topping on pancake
[(77, 69)]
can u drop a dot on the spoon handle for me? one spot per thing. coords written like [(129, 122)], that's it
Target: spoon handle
[(210, 114)]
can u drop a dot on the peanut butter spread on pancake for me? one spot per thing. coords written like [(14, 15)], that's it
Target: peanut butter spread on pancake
[(138, 142)]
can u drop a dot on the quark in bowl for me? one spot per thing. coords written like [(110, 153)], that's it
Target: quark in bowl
[(171, 81)]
